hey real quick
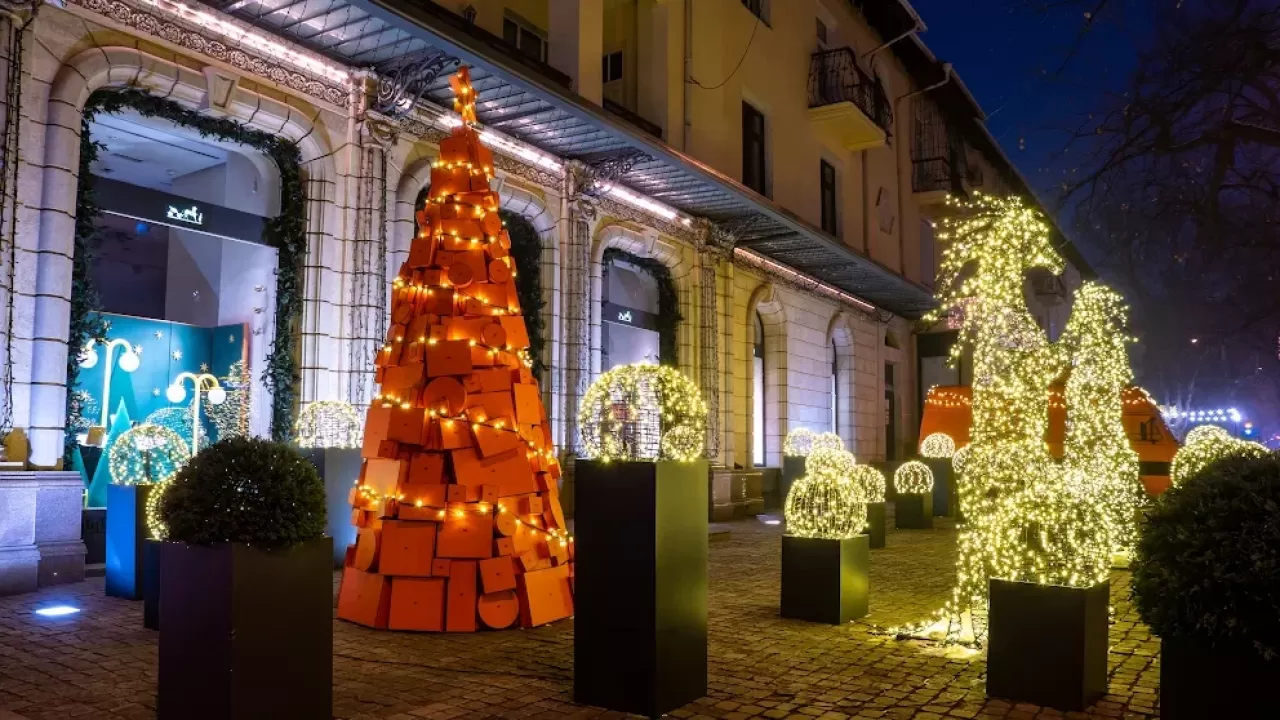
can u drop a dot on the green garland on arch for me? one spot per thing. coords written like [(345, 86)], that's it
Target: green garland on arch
[(669, 316), (286, 232), (526, 249)]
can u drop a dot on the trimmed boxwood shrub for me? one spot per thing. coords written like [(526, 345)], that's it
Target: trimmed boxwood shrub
[(246, 490), (1207, 567)]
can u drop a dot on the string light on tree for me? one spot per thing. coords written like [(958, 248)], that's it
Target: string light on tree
[(938, 445), (327, 424), (146, 454), (798, 442), (643, 412), (913, 478)]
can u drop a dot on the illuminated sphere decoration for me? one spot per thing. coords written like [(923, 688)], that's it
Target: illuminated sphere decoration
[(826, 441), (958, 459), (913, 478), (156, 526), (872, 482), (830, 462), (824, 507), (1194, 457), (146, 454), (328, 424), (938, 445), (1205, 432), (798, 443), (643, 412)]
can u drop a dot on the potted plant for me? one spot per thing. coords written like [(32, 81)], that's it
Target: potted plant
[(246, 602), (826, 560), (640, 640), (1206, 579)]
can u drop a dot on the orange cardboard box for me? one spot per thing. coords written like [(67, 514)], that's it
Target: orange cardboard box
[(503, 547), (510, 471), (445, 395), (495, 404), (426, 468), (517, 334), (528, 403), (506, 525), (547, 596), (407, 548), (421, 252), (448, 357), (497, 574), (489, 494), (384, 476), (376, 426), (465, 535), (441, 567), (417, 604), (460, 608), (364, 598), (493, 441), (496, 380), (406, 425), (367, 546), (499, 610), (423, 513), (400, 378), (432, 495), (454, 434)]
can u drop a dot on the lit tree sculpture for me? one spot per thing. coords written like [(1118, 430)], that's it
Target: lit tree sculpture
[(1097, 451), (1022, 522)]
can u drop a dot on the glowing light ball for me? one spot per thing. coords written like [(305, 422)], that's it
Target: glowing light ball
[(1191, 459), (156, 526), (938, 445), (643, 412), (827, 441), (913, 478), (798, 443), (872, 482), (328, 424), (829, 462), (1206, 432), (146, 454)]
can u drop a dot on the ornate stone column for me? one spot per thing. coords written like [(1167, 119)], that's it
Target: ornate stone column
[(577, 293), (708, 254)]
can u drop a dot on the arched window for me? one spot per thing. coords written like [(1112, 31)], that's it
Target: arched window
[(757, 394), (835, 390)]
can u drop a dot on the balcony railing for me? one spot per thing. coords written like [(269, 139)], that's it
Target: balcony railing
[(939, 173), (834, 77), (632, 117)]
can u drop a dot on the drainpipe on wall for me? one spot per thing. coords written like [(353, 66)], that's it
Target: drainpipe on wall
[(688, 74), (902, 245)]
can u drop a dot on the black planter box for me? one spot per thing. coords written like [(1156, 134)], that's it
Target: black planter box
[(942, 486), (913, 512), (640, 595), (1047, 644), (825, 580), (126, 529), (1198, 681), (151, 583), (93, 532), (246, 634), (339, 469), (793, 468), (875, 525)]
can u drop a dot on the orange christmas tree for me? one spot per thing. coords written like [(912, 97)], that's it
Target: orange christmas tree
[(456, 507)]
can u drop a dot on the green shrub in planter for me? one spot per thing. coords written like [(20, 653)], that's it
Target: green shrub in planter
[(245, 490), (1206, 579), (246, 587)]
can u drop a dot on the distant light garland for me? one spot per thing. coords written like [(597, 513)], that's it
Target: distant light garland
[(643, 412), (798, 442), (913, 478), (938, 445), (328, 424)]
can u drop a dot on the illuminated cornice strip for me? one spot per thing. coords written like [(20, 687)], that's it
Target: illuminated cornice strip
[(266, 44), (799, 278)]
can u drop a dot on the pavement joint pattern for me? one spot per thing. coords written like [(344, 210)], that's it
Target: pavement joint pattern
[(102, 664)]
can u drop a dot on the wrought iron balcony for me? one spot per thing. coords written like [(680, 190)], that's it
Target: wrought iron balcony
[(847, 101)]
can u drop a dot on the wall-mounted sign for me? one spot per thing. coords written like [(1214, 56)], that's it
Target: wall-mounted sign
[(162, 208), (628, 316), (190, 215)]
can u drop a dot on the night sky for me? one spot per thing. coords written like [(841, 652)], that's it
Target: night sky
[(1010, 54)]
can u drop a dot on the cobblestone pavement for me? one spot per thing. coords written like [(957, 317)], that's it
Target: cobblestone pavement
[(101, 663)]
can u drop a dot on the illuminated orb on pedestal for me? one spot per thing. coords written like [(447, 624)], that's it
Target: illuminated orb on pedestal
[(827, 502), (1205, 432), (826, 441), (872, 482), (328, 424), (938, 445), (798, 442), (146, 454), (1192, 458), (913, 478), (643, 412), (959, 458)]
